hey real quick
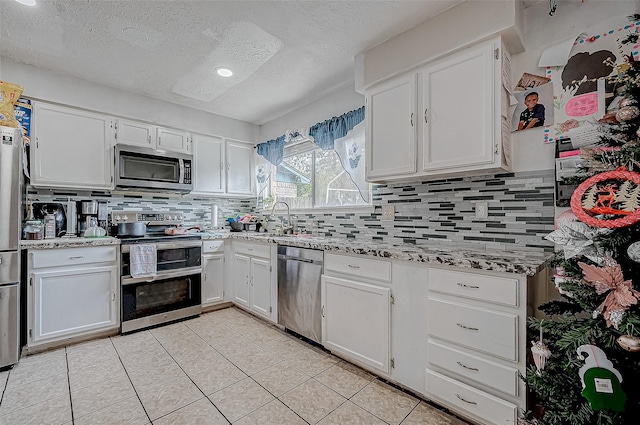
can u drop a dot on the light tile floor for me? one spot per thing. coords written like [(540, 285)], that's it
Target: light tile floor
[(222, 367)]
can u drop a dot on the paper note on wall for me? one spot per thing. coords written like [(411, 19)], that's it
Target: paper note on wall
[(586, 135)]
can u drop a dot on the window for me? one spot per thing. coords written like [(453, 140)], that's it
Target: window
[(309, 177)]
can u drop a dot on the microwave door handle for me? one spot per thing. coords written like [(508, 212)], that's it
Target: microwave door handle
[(181, 178)]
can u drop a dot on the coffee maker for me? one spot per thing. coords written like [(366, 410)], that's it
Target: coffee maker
[(92, 213)]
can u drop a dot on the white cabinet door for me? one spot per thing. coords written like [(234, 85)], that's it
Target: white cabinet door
[(356, 321), (173, 140), (72, 148), (136, 134), (391, 142), (409, 324), (210, 173), (460, 103), (239, 168), (241, 275), (212, 279), (73, 301), (261, 287)]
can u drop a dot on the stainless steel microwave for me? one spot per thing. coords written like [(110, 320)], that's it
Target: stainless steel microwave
[(143, 168)]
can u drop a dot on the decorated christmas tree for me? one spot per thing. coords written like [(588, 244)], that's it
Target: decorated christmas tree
[(587, 354)]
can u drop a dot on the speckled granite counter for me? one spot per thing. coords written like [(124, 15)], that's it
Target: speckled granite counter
[(521, 262), (68, 243)]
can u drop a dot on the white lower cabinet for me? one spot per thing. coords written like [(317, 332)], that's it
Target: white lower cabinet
[(356, 315), (476, 346), (254, 278), (72, 292), (460, 397), (356, 321), (212, 279)]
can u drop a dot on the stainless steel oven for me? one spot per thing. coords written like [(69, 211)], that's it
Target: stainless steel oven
[(174, 293)]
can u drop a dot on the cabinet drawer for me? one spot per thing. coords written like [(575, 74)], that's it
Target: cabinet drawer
[(212, 246), (489, 409), (488, 331), (72, 256), (497, 290), (254, 250), (485, 372), (363, 267)]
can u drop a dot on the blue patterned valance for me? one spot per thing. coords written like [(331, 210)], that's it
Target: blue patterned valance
[(324, 133), (273, 150)]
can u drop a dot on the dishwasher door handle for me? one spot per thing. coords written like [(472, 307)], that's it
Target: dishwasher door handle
[(304, 260)]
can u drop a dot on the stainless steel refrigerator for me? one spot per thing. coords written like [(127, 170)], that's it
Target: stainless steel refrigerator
[(10, 147)]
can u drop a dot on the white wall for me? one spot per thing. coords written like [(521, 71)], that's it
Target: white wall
[(52, 86), (337, 103), (541, 31)]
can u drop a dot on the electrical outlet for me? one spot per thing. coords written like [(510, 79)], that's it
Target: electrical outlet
[(388, 212), (482, 209)]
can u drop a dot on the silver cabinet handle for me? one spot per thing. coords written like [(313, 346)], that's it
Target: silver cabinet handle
[(77, 257), (467, 367), (412, 119), (353, 267), (222, 165), (466, 401), (426, 121), (228, 165), (322, 311), (464, 285), (113, 296), (467, 327)]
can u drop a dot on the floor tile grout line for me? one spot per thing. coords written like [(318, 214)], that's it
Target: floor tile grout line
[(129, 378), (187, 375), (66, 360)]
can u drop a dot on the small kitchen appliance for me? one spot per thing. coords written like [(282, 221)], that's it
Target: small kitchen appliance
[(143, 168), (92, 213)]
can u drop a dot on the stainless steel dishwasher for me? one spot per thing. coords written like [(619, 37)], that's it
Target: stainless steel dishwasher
[(299, 304)]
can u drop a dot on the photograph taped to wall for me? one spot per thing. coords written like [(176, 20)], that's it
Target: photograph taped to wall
[(534, 108), (596, 56), (529, 81)]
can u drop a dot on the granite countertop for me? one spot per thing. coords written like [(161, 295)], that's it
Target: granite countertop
[(68, 242), (521, 262)]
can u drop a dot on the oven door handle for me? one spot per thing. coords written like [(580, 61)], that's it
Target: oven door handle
[(161, 246), (128, 280)]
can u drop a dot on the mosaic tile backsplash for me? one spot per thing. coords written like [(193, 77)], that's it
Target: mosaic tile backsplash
[(520, 211)]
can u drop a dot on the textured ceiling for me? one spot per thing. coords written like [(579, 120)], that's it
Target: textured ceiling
[(285, 54)]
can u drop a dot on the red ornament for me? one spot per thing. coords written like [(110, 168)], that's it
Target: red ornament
[(612, 193)]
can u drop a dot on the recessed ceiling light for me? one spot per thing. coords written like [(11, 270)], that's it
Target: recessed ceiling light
[(27, 2), (224, 72)]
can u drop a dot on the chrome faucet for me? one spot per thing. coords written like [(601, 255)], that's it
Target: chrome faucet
[(289, 227)]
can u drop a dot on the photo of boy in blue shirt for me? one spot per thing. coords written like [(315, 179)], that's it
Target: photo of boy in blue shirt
[(533, 116)]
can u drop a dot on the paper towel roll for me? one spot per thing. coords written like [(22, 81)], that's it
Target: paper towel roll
[(214, 216)]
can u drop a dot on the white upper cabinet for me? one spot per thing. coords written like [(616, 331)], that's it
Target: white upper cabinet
[(222, 166), (391, 142), (461, 111), (136, 133), (443, 119), (66, 136), (210, 168), (173, 140), (239, 158)]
